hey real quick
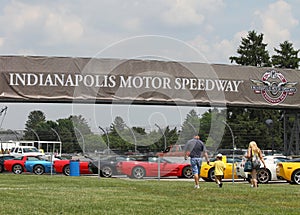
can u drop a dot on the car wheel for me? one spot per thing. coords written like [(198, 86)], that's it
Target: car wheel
[(296, 177), (138, 172), (263, 176), (39, 169), (211, 174), (106, 172), (1, 168), (187, 172), (17, 169), (66, 170)]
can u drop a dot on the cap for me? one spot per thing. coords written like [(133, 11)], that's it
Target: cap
[(219, 155)]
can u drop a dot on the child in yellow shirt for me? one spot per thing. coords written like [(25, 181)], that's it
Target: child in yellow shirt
[(219, 170)]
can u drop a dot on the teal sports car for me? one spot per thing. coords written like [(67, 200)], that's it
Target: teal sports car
[(39, 166)]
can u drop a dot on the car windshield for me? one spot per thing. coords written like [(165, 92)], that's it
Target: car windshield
[(34, 158), (18, 158), (117, 158), (294, 160), (26, 150), (277, 160), (230, 160)]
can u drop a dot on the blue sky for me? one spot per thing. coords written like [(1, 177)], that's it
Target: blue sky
[(85, 28)]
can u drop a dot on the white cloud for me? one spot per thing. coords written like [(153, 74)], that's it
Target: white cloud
[(277, 22), (62, 28), (218, 51), (132, 24), (21, 15), (39, 24), (182, 13)]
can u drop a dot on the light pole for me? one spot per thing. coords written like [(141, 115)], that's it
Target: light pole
[(233, 147), (165, 140), (36, 135), (107, 138), (83, 143), (191, 125), (270, 125), (132, 133), (14, 134), (60, 147)]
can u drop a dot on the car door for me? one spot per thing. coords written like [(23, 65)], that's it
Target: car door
[(168, 168), (152, 166), (30, 162)]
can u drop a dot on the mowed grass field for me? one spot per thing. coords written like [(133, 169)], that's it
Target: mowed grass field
[(46, 194)]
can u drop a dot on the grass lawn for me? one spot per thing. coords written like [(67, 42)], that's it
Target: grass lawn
[(32, 194)]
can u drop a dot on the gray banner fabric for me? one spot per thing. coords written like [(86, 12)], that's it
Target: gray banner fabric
[(66, 79)]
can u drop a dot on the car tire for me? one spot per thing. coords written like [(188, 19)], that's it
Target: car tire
[(106, 172), (66, 170), (263, 176), (39, 169), (211, 174), (17, 169), (296, 177), (187, 172), (138, 172)]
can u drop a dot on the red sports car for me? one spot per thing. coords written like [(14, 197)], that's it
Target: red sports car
[(63, 166), (148, 167)]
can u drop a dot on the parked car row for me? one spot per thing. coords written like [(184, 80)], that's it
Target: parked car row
[(277, 167), (39, 165), (34, 164), (132, 166)]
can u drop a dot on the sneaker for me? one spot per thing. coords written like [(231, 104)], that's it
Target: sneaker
[(197, 187), (220, 185)]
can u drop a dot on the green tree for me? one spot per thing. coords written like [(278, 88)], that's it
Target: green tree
[(252, 51), (170, 135), (118, 125), (80, 123), (190, 127), (118, 135), (287, 56), (212, 128), (35, 118), (250, 124), (64, 128)]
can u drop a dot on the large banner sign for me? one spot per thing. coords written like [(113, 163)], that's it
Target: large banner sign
[(62, 79)]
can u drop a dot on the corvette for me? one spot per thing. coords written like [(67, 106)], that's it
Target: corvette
[(63, 166), (207, 172), (38, 167), (148, 167), (34, 164), (289, 171)]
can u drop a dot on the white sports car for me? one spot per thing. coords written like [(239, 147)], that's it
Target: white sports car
[(263, 175)]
